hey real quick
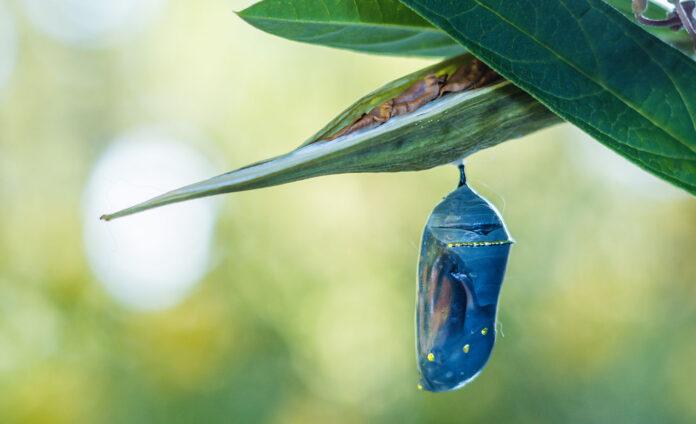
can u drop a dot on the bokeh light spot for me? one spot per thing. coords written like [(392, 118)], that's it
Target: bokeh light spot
[(90, 22), (8, 47), (151, 260)]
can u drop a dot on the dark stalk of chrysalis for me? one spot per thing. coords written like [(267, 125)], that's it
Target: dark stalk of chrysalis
[(462, 263)]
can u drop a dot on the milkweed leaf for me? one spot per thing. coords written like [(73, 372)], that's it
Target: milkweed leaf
[(442, 131)]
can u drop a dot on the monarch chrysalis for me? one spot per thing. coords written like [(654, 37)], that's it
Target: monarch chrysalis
[(463, 257)]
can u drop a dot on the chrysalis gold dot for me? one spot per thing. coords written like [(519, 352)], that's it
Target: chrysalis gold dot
[(464, 252)]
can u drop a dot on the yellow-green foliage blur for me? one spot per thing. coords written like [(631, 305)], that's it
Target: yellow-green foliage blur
[(304, 310)]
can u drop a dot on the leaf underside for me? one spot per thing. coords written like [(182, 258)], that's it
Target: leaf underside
[(371, 26), (591, 66), (444, 130)]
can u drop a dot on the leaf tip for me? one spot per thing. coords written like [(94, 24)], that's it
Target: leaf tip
[(245, 13)]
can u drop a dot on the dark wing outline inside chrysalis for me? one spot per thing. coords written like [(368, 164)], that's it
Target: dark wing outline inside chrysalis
[(461, 268)]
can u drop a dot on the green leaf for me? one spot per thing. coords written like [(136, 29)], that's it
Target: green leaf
[(592, 66), (442, 131), (678, 39), (372, 26)]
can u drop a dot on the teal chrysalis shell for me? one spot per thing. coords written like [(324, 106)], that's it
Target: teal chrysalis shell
[(462, 263)]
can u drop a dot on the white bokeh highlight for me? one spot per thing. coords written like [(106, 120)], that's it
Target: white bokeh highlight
[(152, 260), (8, 47), (92, 23)]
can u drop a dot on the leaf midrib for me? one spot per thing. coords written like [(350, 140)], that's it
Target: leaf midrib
[(580, 71), (426, 28)]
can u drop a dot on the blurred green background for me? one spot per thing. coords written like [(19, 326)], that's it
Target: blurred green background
[(295, 304)]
